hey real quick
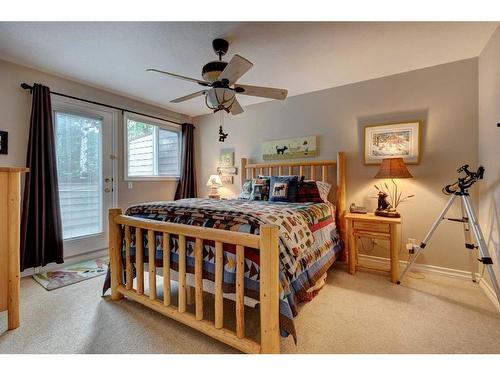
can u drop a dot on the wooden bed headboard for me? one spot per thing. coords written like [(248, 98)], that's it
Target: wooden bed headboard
[(320, 170)]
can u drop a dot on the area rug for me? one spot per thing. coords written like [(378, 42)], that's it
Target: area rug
[(72, 274)]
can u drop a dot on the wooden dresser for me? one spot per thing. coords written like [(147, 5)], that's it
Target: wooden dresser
[(10, 213)]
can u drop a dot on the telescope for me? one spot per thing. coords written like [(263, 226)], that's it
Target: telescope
[(470, 225), (466, 182)]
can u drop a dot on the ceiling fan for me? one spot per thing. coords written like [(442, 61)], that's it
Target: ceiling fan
[(219, 80)]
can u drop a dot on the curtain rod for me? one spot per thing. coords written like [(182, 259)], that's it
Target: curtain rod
[(25, 86)]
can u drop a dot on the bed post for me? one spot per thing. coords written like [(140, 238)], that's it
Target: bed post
[(341, 199), (243, 170), (115, 263), (269, 290)]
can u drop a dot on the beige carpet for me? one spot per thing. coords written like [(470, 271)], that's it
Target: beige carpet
[(360, 314)]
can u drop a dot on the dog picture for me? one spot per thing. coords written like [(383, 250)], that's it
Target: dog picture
[(281, 150)]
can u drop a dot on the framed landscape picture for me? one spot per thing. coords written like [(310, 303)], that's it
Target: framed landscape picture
[(290, 148), (398, 140)]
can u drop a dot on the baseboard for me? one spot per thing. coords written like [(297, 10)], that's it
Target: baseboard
[(373, 261), (67, 261), (490, 293)]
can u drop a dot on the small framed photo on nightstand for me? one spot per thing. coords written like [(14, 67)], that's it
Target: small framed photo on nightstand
[(4, 142)]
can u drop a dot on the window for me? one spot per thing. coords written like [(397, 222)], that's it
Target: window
[(79, 173), (152, 148)]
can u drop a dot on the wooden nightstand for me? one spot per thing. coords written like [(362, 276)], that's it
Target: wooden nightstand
[(375, 227)]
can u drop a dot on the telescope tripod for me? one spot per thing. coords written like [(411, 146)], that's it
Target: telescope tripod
[(470, 222)]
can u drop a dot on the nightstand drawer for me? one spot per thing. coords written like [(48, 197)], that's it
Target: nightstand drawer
[(371, 227)]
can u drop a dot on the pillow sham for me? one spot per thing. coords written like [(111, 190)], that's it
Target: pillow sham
[(260, 189), (324, 189), (256, 189), (283, 188), (246, 190), (308, 192)]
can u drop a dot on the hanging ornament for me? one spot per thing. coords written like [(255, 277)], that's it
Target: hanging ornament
[(222, 135)]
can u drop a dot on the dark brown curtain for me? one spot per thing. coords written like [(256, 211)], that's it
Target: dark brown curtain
[(187, 183), (41, 230)]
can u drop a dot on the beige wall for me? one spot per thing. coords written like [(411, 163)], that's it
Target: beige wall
[(489, 145), (15, 105), (444, 97)]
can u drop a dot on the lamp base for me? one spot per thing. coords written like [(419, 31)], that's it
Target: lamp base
[(214, 196), (387, 213)]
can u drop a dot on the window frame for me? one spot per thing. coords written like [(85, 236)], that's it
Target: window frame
[(159, 125)]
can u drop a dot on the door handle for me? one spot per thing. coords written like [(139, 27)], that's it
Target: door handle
[(107, 190), (108, 180)]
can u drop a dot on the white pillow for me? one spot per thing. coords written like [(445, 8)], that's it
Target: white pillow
[(324, 189)]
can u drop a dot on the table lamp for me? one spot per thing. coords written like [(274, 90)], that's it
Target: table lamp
[(392, 168), (214, 183)]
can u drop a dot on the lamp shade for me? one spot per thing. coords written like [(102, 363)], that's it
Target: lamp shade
[(214, 181), (393, 168)]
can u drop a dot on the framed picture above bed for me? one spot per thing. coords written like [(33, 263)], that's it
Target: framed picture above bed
[(399, 140), (290, 148)]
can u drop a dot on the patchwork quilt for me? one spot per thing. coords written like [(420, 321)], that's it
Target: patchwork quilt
[(309, 243)]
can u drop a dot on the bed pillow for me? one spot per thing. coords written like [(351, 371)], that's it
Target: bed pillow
[(324, 189), (283, 188), (246, 190), (260, 189), (308, 192)]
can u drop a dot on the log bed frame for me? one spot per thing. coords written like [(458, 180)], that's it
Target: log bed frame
[(266, 243)]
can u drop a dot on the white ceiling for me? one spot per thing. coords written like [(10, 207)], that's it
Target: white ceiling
[(301, 57)]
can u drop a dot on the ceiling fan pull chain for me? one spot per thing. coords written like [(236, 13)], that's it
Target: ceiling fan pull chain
[(222, 135)]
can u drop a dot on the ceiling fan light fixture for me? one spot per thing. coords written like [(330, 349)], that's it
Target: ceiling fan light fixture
[(219, 98), (211, 71)]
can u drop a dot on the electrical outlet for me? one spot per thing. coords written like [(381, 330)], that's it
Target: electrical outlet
[(410, 245), (130, 185)]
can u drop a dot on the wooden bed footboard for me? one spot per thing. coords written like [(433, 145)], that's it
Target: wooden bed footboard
[(266, 243)]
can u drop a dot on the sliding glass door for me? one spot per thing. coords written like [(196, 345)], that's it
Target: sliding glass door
[(85, 175)]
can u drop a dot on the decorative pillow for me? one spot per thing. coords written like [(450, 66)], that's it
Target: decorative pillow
[(246, 190), (283, 188), (260, 189), (324, 189), (308, 192)]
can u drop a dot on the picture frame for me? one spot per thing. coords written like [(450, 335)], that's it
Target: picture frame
[(226, 158), (4, 142), (227, 179), (290, 148), (227, 170), (392, 140)]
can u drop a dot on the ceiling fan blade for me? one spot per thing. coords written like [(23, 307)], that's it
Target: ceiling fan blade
[(198, 81), (236, 108), (235, 69), (263, 92), (187, 97)]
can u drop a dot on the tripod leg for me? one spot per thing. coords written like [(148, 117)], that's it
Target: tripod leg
[(469, 245), (428, 237), (483, 248)]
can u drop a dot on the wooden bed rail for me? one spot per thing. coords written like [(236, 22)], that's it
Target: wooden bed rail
[(266, 242)]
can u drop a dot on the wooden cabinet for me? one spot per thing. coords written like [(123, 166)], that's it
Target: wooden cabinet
[(10, 213)]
